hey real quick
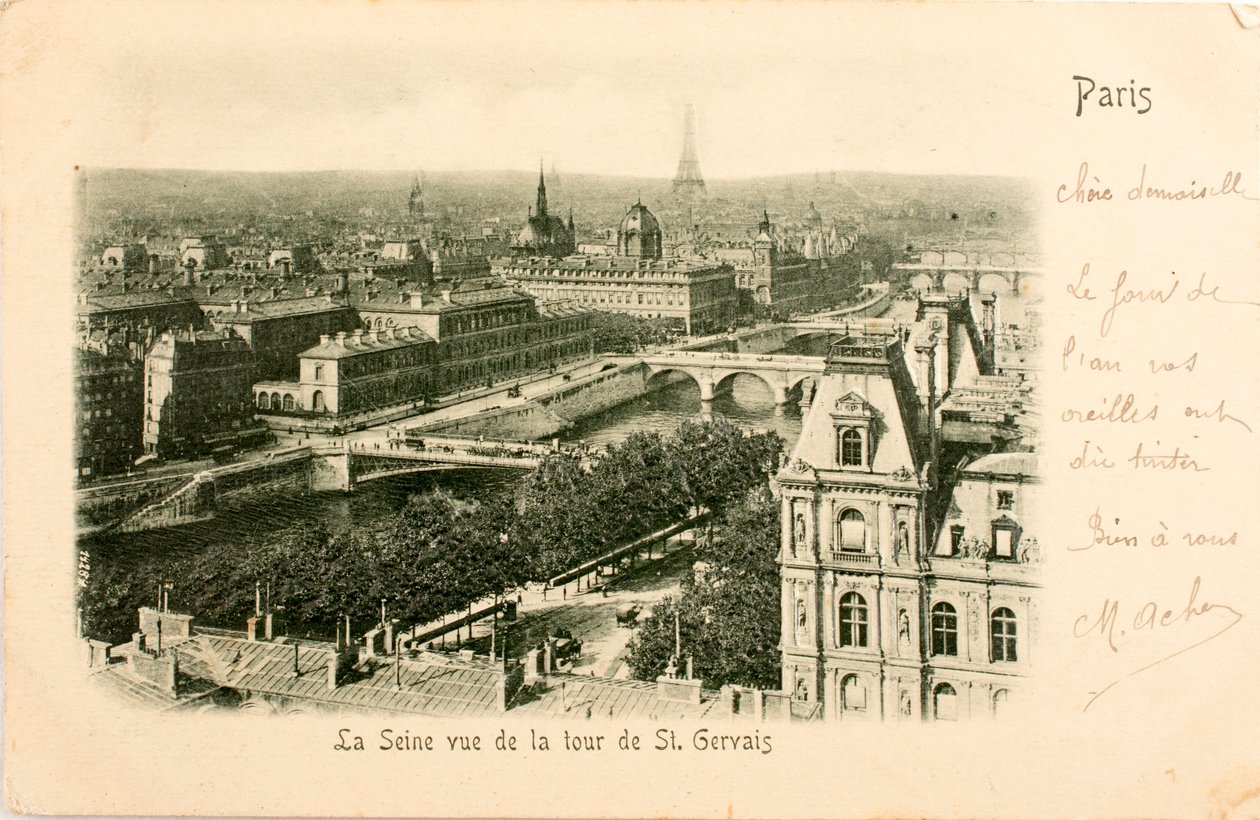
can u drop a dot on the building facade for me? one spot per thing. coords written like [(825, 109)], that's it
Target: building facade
[(908, 590), (109, 385), (698, 296), (198, 393), (421, 344), (351, 373), (280, 329)]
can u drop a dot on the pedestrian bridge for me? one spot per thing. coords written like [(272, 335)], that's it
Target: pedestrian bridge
[(713, 370)]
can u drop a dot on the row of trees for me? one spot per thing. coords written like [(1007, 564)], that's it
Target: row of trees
[(727, 612), (623, 333), (439, 553)]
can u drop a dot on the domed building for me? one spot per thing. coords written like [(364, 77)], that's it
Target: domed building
[(693, 295), (639, 234), (545, 234)]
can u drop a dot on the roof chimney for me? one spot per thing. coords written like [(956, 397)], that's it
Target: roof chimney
[(324, 338), (341, 338), (446, 296)]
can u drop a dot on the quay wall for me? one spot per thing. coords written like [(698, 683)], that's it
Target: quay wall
[(555, 411)]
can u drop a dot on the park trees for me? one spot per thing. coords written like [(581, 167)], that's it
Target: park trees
[(727, 611)]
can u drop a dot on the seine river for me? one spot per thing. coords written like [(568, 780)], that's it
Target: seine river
[(748, 404)]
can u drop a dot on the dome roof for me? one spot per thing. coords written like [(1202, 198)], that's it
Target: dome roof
[(640, 219)]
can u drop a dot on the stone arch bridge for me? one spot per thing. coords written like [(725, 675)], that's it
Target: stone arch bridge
[(956, 270), (781, 374)]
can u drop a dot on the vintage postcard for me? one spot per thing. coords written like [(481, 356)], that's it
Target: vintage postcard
[(557, 409)]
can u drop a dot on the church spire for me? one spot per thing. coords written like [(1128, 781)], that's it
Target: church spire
[(542, 191), (415, 201)]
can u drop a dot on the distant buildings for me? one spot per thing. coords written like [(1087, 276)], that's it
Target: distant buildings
[(545, 234), (204, 252), (697, 296)]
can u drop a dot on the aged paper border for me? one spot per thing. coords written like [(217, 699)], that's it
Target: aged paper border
[(1180, 744)]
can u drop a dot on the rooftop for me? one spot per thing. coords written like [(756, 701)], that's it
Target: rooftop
[(1019, 464), (345, 345)]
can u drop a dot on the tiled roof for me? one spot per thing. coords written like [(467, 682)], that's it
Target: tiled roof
[(466, 689), (1024, 464), (275, 308), (572, 695), (366, 343)]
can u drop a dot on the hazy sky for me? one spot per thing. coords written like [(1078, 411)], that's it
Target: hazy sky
[(594, 88)]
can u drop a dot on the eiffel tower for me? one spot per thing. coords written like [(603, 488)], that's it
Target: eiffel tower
[(688, 182)]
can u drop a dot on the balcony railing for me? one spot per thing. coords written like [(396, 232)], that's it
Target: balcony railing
[(854, 558)]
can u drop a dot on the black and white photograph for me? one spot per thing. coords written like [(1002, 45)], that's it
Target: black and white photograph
[(569, 444), (617, 409)]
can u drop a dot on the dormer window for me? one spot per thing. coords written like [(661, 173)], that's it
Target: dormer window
[(854, 424)]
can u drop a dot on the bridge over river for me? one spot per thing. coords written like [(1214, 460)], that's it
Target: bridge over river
[(326, 468)]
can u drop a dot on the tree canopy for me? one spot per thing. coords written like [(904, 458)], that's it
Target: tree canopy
[(728, 610), (438, 554)]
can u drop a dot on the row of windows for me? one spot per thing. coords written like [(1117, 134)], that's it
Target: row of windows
[(1002, 633), (944, 698), (854, 628)]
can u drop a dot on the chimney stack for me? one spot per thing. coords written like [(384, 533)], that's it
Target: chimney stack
[(324, 338), (341, 338)]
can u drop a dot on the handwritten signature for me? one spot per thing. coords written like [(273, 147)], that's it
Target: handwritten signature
[(1149, 618)]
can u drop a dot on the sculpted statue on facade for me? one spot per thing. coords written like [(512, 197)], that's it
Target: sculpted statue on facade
[(1029, 550)]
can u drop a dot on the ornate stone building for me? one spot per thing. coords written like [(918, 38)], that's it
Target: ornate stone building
[(908, 568), (696, 295), (544, 233)]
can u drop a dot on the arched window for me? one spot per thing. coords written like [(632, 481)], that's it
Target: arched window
[(852, 693), (1000, 698), (1002, 629), (317, 401), (264, 401), (275, 401), (852, 531), (851, 448), (288, 402), (944, 630), (852, 620), (945, 702)]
